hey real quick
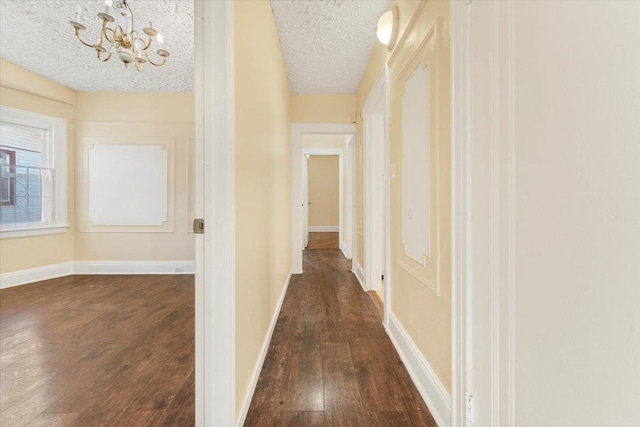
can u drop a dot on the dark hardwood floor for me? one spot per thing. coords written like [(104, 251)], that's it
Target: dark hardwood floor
[(330, 361), (98, 351), (323, 241)]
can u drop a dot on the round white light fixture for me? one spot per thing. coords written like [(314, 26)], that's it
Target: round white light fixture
[(387, 28)]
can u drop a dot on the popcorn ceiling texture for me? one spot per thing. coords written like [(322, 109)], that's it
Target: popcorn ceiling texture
[(326, 44), (36, 35)]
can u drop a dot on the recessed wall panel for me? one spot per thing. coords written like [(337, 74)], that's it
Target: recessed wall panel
[(415, 165), (128, 185)]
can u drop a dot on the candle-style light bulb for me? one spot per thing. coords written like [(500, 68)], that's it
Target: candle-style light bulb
[(78, 12), (160, 38), (108, 2)]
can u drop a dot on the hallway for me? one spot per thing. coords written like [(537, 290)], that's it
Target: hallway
[(330, 361)]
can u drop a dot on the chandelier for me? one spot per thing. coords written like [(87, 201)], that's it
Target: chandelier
[(118, 36)]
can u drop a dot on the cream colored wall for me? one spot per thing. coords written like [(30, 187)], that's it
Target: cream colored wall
[(336, 109), (147, 116), (425, 315), (24, 90), (263, 183), (323, 141), (324, 190)]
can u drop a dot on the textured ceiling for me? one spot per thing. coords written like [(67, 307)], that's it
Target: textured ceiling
[(35, 35), (326, 44)]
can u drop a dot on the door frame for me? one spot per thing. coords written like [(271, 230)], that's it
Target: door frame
[(215, 203), (305, 177), (297, 204), (377, 204), (305, 200), (483, 269), (350, 197)]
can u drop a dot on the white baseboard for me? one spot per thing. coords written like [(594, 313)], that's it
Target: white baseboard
[(344, 249), (263, 354), (23, 277), (433, 392), (359, 272), (324, 228), (134, 267)]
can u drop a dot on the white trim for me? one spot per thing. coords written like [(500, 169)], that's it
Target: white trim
[(483, 329), (349, 239), (358, 271), (134, 267), (263, 354), (324, 228), (215, 201), (297, 205), (424, 377), (54, 156), (34, 231), (345, 250), (377, 209), (24, 277), (32, 275), (460, 203)]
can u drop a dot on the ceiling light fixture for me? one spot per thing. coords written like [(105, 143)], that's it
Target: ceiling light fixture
[(387, 28), (122, 40)]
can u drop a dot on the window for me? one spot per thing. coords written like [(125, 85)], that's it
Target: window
[(33, 151), (7, 181)]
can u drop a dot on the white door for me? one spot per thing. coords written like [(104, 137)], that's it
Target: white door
[(305, 202)]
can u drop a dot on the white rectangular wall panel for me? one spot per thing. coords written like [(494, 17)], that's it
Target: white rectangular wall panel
[(415, 165), (128, 185)]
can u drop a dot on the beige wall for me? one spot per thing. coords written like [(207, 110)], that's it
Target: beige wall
[(323, 141), (337, 109), (324, 194), (425, 315), (27, 91), (263, 183), (164, 117)]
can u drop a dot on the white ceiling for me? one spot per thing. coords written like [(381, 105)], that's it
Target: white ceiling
[(326, 44), (35, 35)]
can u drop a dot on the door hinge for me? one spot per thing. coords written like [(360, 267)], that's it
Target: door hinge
[(468, 405), (198, 226)]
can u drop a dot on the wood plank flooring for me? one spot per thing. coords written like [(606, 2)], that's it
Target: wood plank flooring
[(330, 362), (98, 351), (323, 241)]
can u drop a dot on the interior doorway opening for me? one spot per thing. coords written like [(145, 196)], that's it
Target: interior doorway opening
[(322, 141), (377, 176), (324, 200), (327, 199)]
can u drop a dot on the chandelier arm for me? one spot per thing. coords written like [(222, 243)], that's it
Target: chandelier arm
[(106, 31), (105, 59), (148, 45), (82, 41), (164, 60)]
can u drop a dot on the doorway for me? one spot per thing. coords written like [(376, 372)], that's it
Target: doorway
[(321, 140), (377, 177), (323, 176), (324, 201)]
